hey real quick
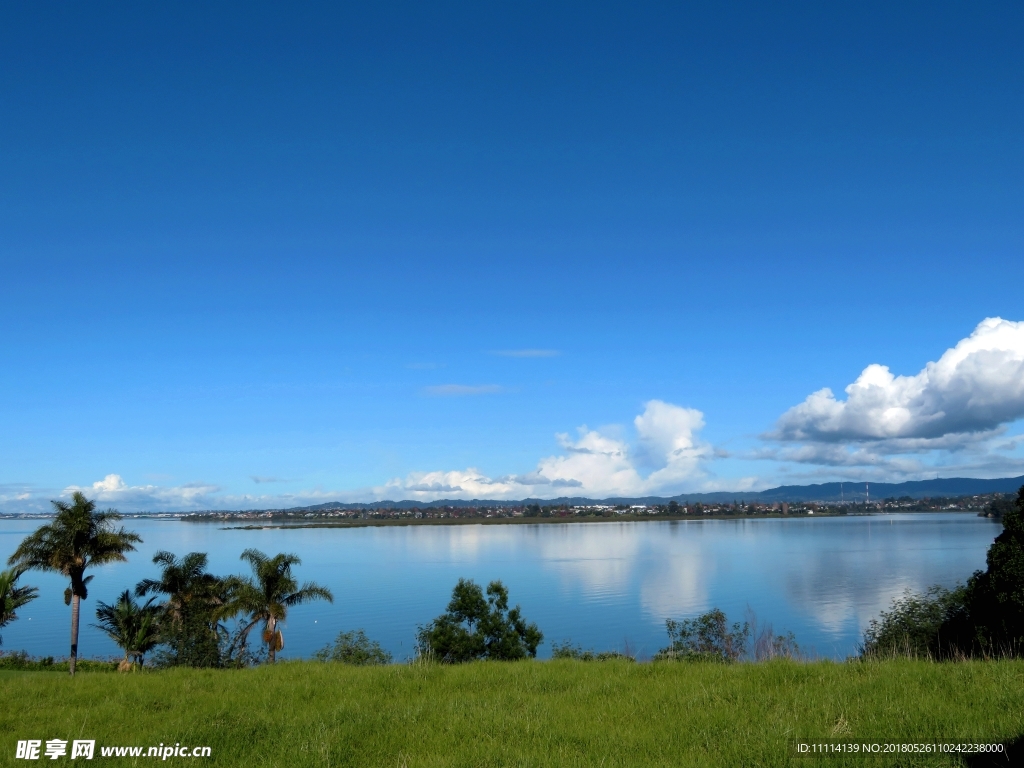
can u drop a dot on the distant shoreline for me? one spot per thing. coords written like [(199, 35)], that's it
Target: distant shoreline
[(272, 525), (356, 522)]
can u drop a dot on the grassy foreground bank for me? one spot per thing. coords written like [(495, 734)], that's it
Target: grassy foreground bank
[(558, 713)]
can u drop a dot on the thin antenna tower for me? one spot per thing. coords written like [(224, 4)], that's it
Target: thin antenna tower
[(842, 499), (867, 490)]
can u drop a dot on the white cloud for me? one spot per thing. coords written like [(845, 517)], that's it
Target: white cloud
[(112, 489), (665, 454), (666, 436), (21, 497), (109, 485), (594, 464), (975, 388), (942, 420)]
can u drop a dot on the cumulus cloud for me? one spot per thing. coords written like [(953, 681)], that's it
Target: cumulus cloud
[(974, 388), (956, 405), (666, 438), (593, 463), (112, 489), (457, 390), (665, 452)]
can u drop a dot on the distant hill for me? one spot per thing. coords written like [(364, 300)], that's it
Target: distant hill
[(852, 491), (916, 489)]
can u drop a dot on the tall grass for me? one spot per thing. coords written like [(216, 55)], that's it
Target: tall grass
[(556, 713)]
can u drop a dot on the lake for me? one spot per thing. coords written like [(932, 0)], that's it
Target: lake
[(605, 585)]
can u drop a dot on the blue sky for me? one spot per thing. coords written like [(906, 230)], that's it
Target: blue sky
[(254, 255)]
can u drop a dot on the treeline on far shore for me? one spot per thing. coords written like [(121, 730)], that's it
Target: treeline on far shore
[(189, 617), (991, 505)]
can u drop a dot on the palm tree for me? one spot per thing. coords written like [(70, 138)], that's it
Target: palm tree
[(185, 582), (13, 597), (269, 594), (134, 627), (195, 602), (78, 537)]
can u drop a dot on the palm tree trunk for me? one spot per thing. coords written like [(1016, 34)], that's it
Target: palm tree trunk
[(272, 627), (75, 605)]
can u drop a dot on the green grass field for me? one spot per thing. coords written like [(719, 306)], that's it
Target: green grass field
[(561, 713)]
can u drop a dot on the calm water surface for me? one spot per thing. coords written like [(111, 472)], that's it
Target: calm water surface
[(604, 585)]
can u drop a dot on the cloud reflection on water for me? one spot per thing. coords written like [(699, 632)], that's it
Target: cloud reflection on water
[(598, 583)]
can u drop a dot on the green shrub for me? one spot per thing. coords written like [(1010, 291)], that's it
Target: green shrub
[(478, 628), (995, 597), (917, 625), (354, 648), (567, 650), (982, 618), (194, 639), (705, 638)]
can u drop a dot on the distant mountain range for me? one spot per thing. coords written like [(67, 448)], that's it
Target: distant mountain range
[(852, 491)]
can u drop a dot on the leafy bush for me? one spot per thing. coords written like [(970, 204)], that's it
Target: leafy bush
[(194, 639), (705, 638), (567, 650), (354, 648), (478, 628), (199, 641), (995, 597), (917, 625), (985, 617)]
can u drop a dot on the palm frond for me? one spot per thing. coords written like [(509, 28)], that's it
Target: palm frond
[(12, 596), (134, 627), (254, 557), (309, 593)]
